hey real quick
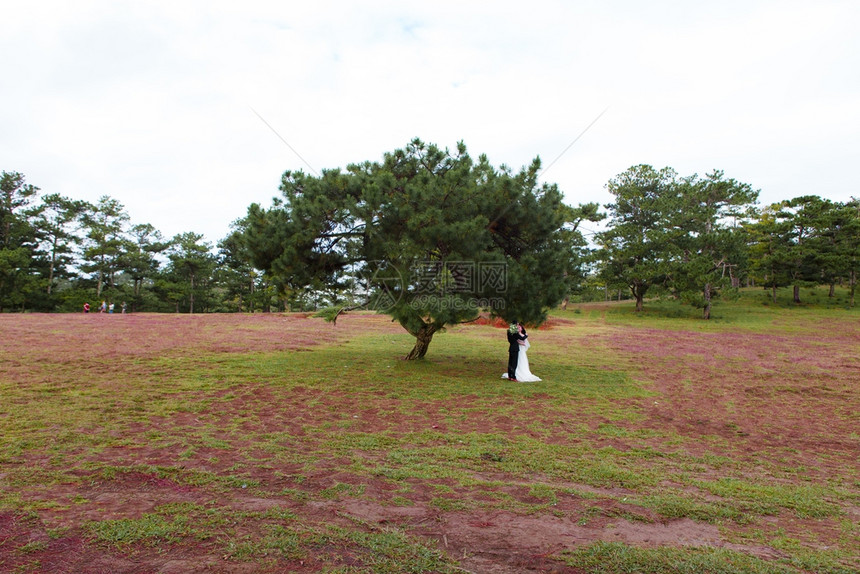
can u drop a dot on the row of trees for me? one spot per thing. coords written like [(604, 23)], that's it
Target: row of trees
[(431, 237), (397, 235), (57, 252), (692, 237)]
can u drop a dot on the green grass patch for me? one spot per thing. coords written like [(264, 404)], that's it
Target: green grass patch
[(150, 529), (613, 557), (674, 505), (806, 501)]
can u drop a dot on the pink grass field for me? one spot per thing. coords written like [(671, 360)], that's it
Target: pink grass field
[(103, 417)]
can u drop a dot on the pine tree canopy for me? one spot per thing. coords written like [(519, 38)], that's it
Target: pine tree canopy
[(428, 236)]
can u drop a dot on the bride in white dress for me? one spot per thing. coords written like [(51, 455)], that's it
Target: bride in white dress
[(523, 373)]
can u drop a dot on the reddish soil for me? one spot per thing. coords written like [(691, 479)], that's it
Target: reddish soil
[(755, 398)]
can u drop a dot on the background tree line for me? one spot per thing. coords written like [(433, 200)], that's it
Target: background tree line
[(56, 253), (696, 238), (690, 237)]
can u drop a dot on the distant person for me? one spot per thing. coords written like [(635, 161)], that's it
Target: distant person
[(122, 307), (86, 307), (103, 307), (110, 308)]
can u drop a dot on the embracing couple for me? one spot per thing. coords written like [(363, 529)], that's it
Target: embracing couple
[(518, 361)]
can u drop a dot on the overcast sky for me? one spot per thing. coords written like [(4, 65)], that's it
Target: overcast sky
[(158, 104)]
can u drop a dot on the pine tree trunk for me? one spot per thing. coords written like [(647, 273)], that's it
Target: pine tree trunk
[(422, 341), (853, 285), (797, 293), (706, 312), (736, 281), (51, 268), (638, 290)]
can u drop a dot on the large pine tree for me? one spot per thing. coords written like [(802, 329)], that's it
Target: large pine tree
[(427, 236)]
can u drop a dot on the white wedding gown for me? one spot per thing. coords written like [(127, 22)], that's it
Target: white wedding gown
[(523, 373)]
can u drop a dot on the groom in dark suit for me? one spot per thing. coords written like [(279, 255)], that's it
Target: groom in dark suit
[(515, 339)]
